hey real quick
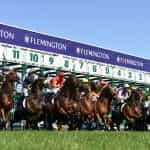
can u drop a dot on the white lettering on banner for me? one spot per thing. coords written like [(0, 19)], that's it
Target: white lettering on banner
[(7, 35), (129, 61), (46, 43), (92, 53)]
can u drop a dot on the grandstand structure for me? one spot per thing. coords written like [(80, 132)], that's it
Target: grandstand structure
[(23, 49)]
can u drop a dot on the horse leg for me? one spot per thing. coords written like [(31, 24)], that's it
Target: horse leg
[(62, 111), (106, 121), (6, 115), (4, 120), (99, 121), (11, 124)]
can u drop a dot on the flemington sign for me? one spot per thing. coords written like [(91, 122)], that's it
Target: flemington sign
[(50, 51)]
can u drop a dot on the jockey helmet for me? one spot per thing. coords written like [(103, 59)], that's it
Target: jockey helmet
[(133, 88), (126, 85), (84, 80)]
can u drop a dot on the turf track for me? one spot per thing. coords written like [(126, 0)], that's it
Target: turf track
[(76, 140)]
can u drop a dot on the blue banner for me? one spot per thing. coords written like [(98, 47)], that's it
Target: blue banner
[(29, 39)]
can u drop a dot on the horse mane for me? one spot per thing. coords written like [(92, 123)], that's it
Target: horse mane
[(134, 96), (36, 86), (106, 91), (71, 87), (7, 84), (72, 81)]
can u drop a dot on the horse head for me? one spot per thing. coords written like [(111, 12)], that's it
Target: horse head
[(71, 81), (84, 88), (73, 87), (134, 103), (12, 76), (38, 84), (6, 95), (107, 91), (134, 95)]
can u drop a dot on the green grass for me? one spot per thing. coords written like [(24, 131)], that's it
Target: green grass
[(76, 140)]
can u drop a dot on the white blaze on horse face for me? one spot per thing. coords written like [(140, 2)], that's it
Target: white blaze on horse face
[(35, 77), (94, 98), (24, 103), (147, 104), (122, 106), (25, 92)]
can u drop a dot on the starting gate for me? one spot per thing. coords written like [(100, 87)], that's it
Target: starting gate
[(23, 50)]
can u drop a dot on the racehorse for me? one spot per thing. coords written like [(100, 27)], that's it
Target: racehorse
[(66, 99), (6, 96), (97, 107), (131, 110), (73, 87), (102, 108), (86, 106), (32, 108), (147, 113), (35, 102)]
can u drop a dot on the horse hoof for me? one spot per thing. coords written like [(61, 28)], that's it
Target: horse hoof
[(54, 126)]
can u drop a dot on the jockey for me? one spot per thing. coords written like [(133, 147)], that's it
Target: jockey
[(85, 80), (123, 93), (56, 83), (29, 80)]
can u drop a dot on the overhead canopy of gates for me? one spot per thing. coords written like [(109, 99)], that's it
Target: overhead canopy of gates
[(25, 50)]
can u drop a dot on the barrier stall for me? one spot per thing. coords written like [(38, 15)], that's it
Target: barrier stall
[(21, 47)]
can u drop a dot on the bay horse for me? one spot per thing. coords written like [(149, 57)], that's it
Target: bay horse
[(6, 95), (95, 104), (102, 106), (35, 102), (66, 100), (32, 107), (131, 110), (86, 106)]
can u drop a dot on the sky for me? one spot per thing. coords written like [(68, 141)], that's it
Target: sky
[(112, 24)]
